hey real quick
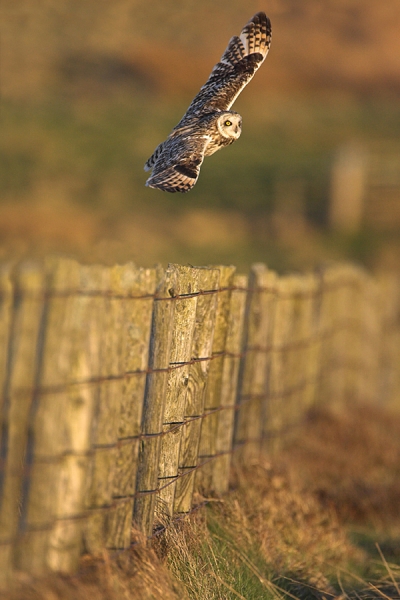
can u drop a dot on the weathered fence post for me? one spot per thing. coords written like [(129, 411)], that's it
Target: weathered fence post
[(25, 331), (229, 387), (207, 447), (342, 363), (154, 401), (126, 330), (368, 309), (6, 316), (310, 332), (278, 387), (137, 289), (177, 385), (108, 385), (331, 376), (295, 352), (389, 303), (54, 495), (201, 349), (260, 315)]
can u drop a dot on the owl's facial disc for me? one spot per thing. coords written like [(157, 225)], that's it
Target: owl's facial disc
[(230, 125)]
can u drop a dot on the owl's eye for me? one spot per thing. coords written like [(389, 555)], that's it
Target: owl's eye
[(228, 123)]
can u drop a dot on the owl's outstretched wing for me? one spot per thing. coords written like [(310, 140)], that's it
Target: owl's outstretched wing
[(177, 167), (241, 59)]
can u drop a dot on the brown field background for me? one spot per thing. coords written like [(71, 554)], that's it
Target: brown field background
[(89, 89)]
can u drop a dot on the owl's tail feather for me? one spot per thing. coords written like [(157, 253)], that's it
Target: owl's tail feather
[(173, 179), (154, 157)]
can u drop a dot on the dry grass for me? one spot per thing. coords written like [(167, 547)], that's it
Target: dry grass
[(320, 520), (351, 462), (137, 573)]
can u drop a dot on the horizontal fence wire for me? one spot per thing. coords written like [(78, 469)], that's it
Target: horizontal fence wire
[(306, 350), (345, 325), (174, 297), (126, 499)]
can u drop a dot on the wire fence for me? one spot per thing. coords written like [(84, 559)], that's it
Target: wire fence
[(126, 391)]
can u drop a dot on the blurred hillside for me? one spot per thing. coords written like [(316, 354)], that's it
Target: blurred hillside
[(89, 89), (168, 48)]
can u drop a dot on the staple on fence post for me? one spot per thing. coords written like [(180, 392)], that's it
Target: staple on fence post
[(252, 398), (207, 447), (134, 331), (154, 400), (20, 380), (201, 348), (6, 316), (229, 386)]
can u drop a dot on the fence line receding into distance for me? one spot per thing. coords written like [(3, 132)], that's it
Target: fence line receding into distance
[(127, 391)]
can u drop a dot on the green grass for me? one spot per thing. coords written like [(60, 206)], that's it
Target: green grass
[(93, 142), (274, 536), (88, 154)]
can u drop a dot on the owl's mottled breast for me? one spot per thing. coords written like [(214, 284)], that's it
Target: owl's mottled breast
[(217, 142)]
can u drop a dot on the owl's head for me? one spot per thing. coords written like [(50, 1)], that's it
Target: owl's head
[(229, 125)]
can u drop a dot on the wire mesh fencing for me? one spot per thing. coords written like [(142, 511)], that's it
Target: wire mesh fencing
[(125, 391)]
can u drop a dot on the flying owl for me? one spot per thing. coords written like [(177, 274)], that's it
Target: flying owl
[(209, 124)]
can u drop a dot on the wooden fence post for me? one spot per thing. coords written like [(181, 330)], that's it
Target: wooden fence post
[(154, 401), (177, 385), (207, 447), (368, 343), (279, 377), (229, 387), (389, 304), (138, 286), (296, 352), (332, 379), (25, 326), (114, 462), (342, 359), (6, 316), (310, 331), (54, 501), (201, 349), (260, 314)]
